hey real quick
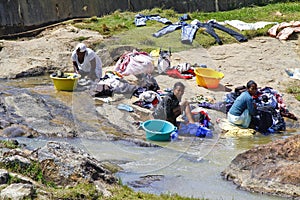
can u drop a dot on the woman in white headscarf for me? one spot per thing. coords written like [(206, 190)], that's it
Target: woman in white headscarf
[(86, 62)]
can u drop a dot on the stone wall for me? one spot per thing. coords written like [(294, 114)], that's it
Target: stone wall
[(23, 15)]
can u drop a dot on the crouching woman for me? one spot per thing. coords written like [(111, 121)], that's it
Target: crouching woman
[(243, 107), (171, 106)]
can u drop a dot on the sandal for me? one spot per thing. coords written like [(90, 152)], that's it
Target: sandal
[(125, 107)]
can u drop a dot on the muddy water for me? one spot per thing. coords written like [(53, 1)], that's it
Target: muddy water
[(188, 166)]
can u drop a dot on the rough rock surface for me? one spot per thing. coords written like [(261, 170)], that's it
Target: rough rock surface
[(273, 168), (27, 114), (17, 191), (61, 164)]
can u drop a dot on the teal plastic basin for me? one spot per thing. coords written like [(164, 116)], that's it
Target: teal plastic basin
[(158, 130)]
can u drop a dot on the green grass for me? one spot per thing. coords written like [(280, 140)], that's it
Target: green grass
[(89, 191), (81, 38), (32, 170), (295, 90), (8, 144), (127, 193), (120, 27), (80, 191)]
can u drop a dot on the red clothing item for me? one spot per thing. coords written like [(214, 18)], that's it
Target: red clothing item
[(176, 74)]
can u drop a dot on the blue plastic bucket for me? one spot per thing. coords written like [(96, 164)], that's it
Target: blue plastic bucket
[(158, 130)]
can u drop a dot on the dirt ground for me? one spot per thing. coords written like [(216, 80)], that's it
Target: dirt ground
[(263, 59)]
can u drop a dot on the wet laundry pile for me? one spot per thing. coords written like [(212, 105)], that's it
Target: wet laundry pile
[(270, 109)]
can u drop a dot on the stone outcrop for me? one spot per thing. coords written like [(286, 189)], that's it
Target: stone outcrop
[(60, 164), (17, 191), (273, 168), (27, 114)]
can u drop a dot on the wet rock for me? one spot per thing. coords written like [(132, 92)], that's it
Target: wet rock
[(15, 159), (118, 51), (65, 164), (17, 191), (105, 57), (3, 176), (145, 181), (101, 187), (4, 123), (14, 131), (119, 119), (27, 114), (273, 168), (61, 164)]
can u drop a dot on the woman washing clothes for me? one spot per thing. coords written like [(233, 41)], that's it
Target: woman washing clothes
[(86, 62), (243, 107), (173, 107)]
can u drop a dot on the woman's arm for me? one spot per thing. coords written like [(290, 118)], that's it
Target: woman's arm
[(75, 66), (251, 107)]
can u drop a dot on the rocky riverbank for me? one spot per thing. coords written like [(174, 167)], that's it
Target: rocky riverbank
[(51, 172), (271, 169), (28, 114)]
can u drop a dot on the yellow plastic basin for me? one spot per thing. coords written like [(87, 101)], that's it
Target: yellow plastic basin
[(66, 84), (207, 77)]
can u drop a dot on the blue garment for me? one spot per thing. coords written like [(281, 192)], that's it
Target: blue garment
[(184, 17), (195, 129), (209, 28), (168, 29), (140, 20), (238, 36), (188, 33), (242, 102)]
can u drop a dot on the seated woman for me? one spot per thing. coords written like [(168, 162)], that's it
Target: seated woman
[(171, 106), (243, 107)]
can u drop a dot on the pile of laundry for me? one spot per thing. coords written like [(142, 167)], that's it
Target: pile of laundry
[(113, 83), (270, 109), (134, 63)]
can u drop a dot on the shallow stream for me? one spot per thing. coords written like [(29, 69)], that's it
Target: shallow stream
[(188, 166)]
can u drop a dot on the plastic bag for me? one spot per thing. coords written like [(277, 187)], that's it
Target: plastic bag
[(164, 61), (134, 63)]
